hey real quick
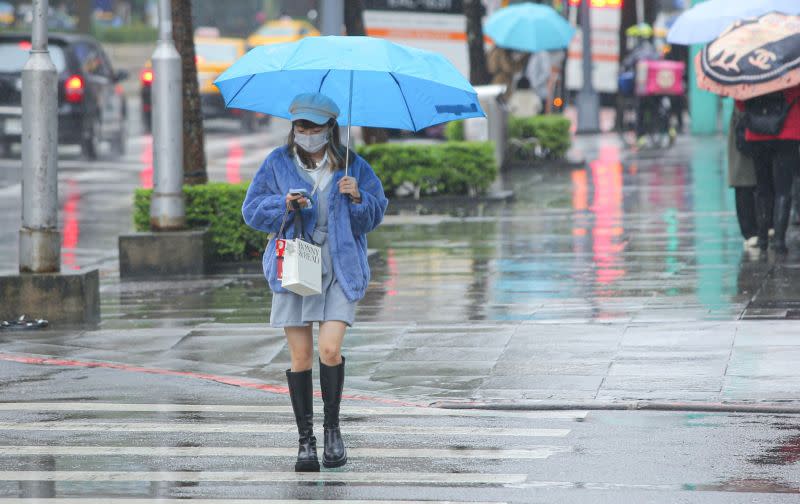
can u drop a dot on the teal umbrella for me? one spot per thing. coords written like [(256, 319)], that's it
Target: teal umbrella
[(529, 27)]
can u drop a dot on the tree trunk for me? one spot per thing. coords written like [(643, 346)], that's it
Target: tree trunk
[(478, 74), (194, 156), (84, 10), (354, 24)]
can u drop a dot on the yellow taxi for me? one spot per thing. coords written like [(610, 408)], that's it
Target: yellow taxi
[(282, 30), (213, 56)]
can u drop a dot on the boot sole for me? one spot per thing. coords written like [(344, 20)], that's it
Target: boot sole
[(330, 464), (306, 467)]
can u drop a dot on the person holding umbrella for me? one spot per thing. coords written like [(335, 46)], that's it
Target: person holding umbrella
[(319, 83), (757, 62), (307, 175)]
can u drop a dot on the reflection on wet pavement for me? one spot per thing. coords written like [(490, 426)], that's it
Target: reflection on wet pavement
[(619, 239)]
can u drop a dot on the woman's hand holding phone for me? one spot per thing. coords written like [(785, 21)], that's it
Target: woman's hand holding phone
[(301, 197)]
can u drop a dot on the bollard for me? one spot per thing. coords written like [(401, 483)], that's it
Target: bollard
[(167, 207)]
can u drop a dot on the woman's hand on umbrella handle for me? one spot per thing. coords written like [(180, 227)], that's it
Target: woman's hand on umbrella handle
[(349, 186), (299, 198)]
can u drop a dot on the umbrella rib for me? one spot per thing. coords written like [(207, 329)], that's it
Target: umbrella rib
[(323, 81), (239, 90), (413, 124)]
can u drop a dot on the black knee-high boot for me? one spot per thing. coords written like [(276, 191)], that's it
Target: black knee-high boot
[(783, 208), (763, 217), (301, 393), (331, 381)]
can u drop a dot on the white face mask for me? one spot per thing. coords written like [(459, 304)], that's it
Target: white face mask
[(312, 143)]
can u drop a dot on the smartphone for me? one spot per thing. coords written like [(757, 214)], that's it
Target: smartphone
[(303, 193)]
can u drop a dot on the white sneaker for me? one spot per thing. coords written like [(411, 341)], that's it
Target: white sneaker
[(751, 243)]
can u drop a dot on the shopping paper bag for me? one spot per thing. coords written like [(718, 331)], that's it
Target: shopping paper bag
[(299, 266)]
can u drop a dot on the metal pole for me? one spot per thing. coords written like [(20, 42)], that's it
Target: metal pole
[(349, 122), (332, 17), (167, 209), (588, 102), (39, 239), (640, 11)]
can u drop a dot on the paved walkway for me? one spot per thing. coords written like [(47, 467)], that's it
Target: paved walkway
[(624, 279)]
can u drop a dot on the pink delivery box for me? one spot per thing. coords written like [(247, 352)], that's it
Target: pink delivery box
[(660, 78)]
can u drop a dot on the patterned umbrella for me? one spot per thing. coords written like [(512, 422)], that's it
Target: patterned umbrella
[(753, 57)]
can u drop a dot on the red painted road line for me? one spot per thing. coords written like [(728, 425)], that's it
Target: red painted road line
[(225, 380)]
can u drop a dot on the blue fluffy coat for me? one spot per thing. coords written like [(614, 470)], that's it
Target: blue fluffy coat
[(348, 223)]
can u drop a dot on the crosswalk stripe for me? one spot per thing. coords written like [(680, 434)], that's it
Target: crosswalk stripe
[(272, 428), (225, 408), (160, 500), (541, 452), (270, 477)]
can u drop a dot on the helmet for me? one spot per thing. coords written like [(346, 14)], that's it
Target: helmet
[(642, 30)]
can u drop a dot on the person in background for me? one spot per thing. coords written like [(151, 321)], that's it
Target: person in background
[(742, 178), (777, 160), (640, 36), (338, 211), (504, 65)]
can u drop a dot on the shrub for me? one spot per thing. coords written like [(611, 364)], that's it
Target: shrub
[(454, 131), (127, 34), (458, 168), (218, 206), (552, 133)]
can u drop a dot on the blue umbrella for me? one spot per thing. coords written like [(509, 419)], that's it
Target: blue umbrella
[(706, 21), (375, 82), (529, 27), (393, 86)]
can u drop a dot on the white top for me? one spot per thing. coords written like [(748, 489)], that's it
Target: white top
[(321, 174)]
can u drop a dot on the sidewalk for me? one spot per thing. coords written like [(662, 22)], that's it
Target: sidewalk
[(621, 281)]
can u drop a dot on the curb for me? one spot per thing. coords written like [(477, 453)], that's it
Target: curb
[(708, 407)]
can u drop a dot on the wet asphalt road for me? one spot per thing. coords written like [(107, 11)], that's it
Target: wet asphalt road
[(621, 279), (105, 438)]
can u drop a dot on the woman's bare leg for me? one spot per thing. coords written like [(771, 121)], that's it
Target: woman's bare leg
[(331, 336), (301, 347)]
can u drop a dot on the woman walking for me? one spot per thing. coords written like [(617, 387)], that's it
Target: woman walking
[(777, 160), (337, 212)]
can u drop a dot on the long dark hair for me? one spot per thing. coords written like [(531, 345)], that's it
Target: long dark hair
[(334, 148)]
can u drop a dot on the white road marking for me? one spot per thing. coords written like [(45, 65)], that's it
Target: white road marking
[(160, 500), (233, 408), (537, 453), (271, 477), (272, 428)]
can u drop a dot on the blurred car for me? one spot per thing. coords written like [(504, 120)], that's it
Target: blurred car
[(282, 30), (7, 14), (91, 104), (213, 56)]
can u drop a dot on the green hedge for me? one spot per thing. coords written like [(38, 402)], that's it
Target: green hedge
[(126, 34), (460, 168), (454, 131), (451, 168), (218, 206), (552, 133)]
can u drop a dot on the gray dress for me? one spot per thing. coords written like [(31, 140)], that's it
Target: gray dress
[(292, 310)]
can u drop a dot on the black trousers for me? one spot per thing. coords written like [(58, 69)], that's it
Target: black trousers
[(746, 211), (776, 163)]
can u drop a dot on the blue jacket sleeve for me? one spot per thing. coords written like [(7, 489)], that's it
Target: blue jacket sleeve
[(264, 205), (367, 215)]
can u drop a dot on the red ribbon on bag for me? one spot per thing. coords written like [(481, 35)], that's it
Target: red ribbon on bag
[(280, 248)]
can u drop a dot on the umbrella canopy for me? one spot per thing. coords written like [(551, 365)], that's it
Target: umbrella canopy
[(706, 21), (529, 27), (373, 81), (753, 57)]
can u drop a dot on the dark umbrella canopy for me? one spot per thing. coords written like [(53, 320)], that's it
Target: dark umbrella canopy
[(753, 57)]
